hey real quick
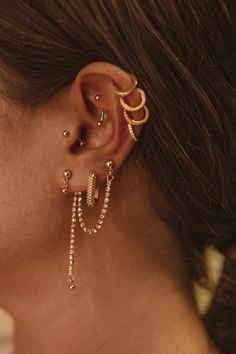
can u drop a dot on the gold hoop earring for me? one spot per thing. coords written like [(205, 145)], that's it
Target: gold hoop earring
[(137, 122), (126, 108), (134, 83), (67, 175), (139, 106), (92, 190), (109, 179)]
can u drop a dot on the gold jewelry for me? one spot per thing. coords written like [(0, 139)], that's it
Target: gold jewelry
[(99, 123), (109, 179), (66, 133), (127, 108), (67, 175), (81, 142), (92, 190), (137, 122), (97, 97), (134, 83), (138, 107), (72, 243), (133, 136)]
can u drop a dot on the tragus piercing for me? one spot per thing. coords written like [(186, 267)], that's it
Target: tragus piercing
[(66, 133)]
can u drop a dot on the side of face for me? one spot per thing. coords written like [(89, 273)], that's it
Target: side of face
[(31, 149), (34, 213)]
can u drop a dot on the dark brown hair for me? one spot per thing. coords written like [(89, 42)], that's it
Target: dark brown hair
[(182, 52)]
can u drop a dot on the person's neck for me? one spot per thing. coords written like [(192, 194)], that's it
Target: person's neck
[(130, 298), (132, 293)]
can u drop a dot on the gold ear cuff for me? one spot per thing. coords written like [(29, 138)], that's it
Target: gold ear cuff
[(127, 108)]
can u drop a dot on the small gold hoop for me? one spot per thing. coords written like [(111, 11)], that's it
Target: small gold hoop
[(92, 190), (137, 122), (139, 106), (134, 83), (100, 220)]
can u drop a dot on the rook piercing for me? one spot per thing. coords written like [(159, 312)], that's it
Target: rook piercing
[(99, 123)]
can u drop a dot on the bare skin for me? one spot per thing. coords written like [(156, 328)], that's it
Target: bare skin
[(133, 293)]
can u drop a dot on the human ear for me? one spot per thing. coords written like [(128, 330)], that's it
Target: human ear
[(91, 94)]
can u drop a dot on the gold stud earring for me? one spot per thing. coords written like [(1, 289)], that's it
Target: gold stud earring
[(92, 190), (97, 97), (67, 175), (109, 179), (66, 133)]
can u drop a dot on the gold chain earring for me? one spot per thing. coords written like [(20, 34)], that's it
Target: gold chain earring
[(67, 175), (72, 243), (92, 190), (127, 108), (109, 179)]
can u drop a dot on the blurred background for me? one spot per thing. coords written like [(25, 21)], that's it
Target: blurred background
[(6, 333)]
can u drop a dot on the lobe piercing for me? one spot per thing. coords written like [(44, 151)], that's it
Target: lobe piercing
[(67, 175)]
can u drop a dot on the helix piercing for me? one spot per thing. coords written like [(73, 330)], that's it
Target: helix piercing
[(127, 108)]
